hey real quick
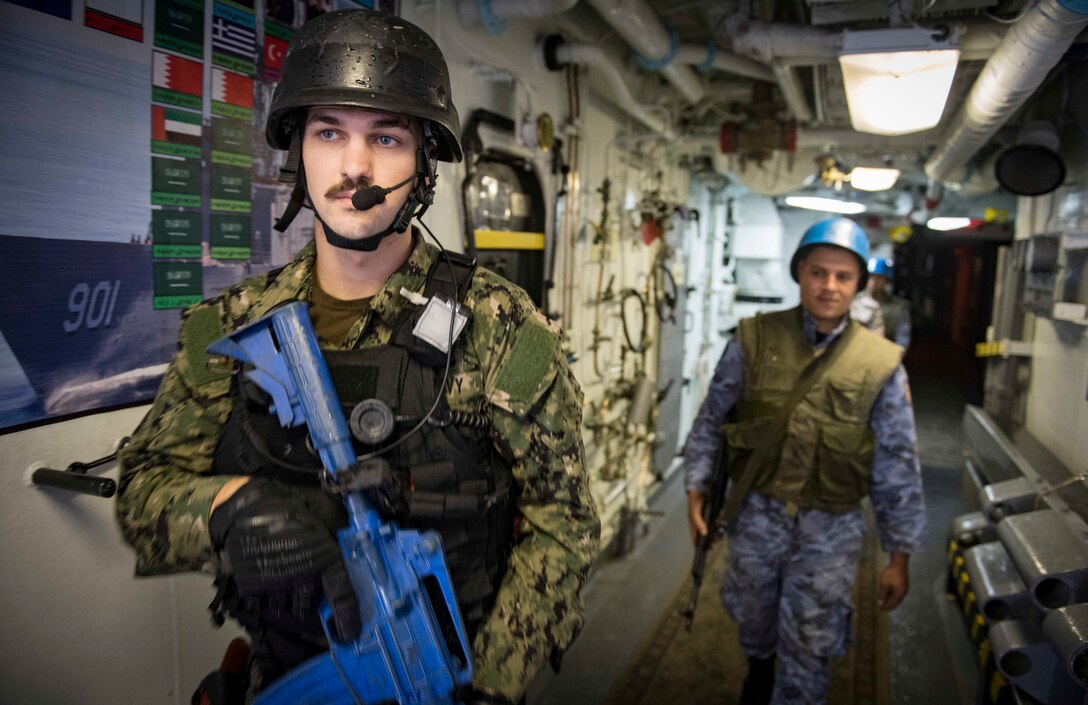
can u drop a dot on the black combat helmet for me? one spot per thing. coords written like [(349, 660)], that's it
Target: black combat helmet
[(371, 60), (365, 59)]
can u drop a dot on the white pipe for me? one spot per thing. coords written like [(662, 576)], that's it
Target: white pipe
[(793, 93), (695, 55), (1027, 53), (637, 23), (470, 14), (845, 137), (592, 55), (794, 45), (768, 42)]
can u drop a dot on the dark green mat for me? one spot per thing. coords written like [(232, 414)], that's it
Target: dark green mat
[(705, 666)]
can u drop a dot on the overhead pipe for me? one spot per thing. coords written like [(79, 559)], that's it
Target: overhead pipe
[(797, 45), (493, 13), (1017, 68), (793, 93), (711, 57), (558, 52), (637, 23)]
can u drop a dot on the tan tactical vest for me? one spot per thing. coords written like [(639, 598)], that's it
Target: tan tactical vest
[(893, 309), (825, 459)]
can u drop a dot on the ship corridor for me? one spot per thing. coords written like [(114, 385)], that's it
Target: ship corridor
[(634, 647)]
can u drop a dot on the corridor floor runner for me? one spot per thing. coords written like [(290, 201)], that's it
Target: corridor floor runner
[(705, 666)]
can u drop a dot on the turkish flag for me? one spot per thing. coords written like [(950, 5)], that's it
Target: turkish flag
[(274, 49)]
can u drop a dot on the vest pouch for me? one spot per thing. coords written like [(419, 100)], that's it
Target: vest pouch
[(844, 397), (844, 458), (742, 439)]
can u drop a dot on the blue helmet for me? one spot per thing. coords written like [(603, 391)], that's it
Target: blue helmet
[(836, 232), (882, 266)]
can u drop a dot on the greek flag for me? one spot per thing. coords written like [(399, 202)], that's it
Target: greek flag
[(233, 38)]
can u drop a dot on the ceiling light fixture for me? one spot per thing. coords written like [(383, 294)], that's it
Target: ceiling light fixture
[(828, 205), (873, 179), (897, 80), (946, 223)]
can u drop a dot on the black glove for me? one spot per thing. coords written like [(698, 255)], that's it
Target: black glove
[(280, 543)]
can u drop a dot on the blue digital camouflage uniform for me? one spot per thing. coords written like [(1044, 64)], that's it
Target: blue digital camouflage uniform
[(789, 578), (513, 371)]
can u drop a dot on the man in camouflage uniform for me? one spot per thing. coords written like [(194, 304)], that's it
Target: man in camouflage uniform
[(210, 483), (800, 465)]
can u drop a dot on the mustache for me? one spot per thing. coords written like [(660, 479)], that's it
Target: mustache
[(343, 185)]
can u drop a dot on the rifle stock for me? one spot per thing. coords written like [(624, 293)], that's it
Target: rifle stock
[(712, 507)]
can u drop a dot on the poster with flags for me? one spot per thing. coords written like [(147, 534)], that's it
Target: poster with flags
[(177, 284), (234, 39), (232, 95), (57, 8), (122, 18), (175, 182), (232, 142), (276, 39), (231, 190), (179, 26), (175, 234), (230, 237), (177, 81), (176, 133)]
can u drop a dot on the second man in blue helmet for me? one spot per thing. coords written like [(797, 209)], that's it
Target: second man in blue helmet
[(894, 310), (815, 414)]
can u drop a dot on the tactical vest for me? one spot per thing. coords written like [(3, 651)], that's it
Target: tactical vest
[(825, 459), (893, 309), (445, 477)]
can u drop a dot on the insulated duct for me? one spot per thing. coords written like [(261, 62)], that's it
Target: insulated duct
[(491, 13), (557, 53), (637, 23), (723, 61), (797, 45), (1027, 53)]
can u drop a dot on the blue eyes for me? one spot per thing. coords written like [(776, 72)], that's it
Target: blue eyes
[(383, 140)]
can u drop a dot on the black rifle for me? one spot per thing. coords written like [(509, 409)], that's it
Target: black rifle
[(712, 507)]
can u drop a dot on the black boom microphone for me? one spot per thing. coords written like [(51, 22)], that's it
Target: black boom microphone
[(370, 196)]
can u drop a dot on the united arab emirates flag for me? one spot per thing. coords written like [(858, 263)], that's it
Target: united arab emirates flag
[(175, 132)]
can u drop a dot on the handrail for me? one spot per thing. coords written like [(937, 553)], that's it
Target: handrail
[(74, 478)]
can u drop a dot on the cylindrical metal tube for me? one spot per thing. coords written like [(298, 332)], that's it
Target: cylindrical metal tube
[(972, 529), (1024, 657), (1051, 552), (1066, 628), (1002, 499), (1001, 592)]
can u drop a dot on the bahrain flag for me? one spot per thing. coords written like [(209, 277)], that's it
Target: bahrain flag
[(232, 88), (181, 75)]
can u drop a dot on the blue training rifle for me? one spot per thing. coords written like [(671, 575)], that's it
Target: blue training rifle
[(400, 577)]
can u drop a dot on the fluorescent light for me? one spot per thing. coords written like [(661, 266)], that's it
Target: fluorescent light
[(897, 80), (945, 223), (829, 205), (871, 179)]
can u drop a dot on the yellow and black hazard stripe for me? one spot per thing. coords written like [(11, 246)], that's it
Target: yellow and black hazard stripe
[(996, 689)]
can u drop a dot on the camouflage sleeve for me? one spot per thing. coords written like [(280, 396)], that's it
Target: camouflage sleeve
[(896, 487), (164, 495), (536, 424)]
